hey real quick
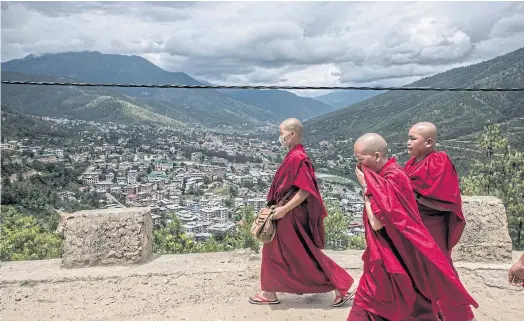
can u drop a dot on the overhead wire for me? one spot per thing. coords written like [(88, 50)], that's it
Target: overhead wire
[(259, 87)]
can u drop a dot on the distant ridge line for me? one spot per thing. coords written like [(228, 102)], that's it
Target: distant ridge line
[(261, 87)]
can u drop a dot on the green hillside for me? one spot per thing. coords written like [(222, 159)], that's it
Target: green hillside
[(86, 103), (197, 106), (457, 114)]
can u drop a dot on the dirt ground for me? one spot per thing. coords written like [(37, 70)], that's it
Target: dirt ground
[(208, 287)]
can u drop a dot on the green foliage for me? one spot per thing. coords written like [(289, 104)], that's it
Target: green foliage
[(501, 175), (172, 240), (336, 227), (242, 237), (233, 191), (22, 238), (17, 126), (357, 242), (37, 196)]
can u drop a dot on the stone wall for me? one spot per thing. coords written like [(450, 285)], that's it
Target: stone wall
[(124, 235), (486, 237), (104, 237)]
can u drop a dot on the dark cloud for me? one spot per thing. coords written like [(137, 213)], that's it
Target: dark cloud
[(307, 43)]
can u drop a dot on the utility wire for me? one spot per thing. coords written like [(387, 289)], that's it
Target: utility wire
[(44, 83)]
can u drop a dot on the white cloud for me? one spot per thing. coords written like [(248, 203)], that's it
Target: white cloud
[(306, 43)]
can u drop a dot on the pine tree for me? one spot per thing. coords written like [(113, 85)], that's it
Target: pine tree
[(500, 175)]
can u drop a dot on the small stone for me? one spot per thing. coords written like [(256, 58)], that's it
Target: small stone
[(18, 297)]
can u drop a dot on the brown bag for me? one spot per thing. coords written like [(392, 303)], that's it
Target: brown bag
[(264, 228)]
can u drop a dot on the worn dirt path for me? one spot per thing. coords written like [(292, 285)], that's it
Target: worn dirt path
[(208, 287)]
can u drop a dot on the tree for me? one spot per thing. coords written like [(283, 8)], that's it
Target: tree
[(501, 174), (357, 242), (336, 228), (233, 191), (23, 239), (242, 238)]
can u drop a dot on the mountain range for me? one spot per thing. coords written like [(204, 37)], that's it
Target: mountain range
[(457, 114), (174, 106), (344, 98), (279, 102)]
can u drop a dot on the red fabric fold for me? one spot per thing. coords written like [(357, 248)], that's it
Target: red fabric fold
[(297, 170), (436, 179), (293, 262), (402, 256)]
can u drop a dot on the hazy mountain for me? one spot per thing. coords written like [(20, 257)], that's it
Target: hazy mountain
[(282, 103), (344, 98)]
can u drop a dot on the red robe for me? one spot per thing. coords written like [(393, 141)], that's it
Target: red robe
[(404, 268), (436, 179), (293, 262)]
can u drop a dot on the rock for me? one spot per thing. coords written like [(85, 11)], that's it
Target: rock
[(104, 237), (486, 238)]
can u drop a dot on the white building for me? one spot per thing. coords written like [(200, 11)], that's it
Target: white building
[(132, 176), (90, 178), (257, 203)]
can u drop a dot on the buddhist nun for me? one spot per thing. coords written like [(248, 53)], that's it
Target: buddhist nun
[(436, 186), (404, 272), (293, 261)]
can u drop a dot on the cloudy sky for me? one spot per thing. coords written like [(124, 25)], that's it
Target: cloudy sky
[(300, 43)]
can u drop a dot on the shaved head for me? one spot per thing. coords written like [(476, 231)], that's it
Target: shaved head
[(291, 131), (371, 143), (422, 140), (371, 151), (293, 124), (426, 130)]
